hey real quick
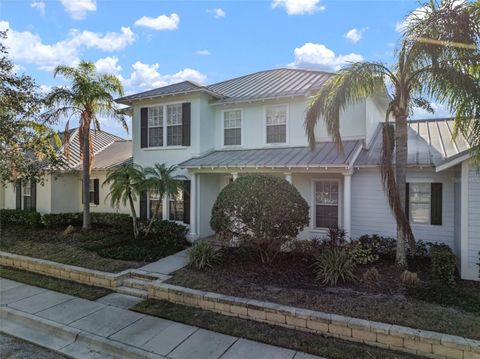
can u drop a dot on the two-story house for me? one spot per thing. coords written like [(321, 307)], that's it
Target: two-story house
[(254, 124)]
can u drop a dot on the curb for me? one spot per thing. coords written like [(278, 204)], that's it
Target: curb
[(65, 340)]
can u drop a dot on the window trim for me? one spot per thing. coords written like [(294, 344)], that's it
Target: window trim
[(169, 201), (164, 147), (276, 144), (162, 126), (92, 181), (429, 219), (313, 206), (223, 127), (148, 206)]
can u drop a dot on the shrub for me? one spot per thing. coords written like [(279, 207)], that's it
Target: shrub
[(203, 255), (364, 253), (410, 279), (261, 211), (121, 221), (56, 220), (444, 264), (168, 232), (381, 246), (371, 276), (334, 264), (9, 217)]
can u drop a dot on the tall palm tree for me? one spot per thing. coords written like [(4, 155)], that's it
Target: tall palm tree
[(161, 180), (90, 96), (126, 182), (438, 42)]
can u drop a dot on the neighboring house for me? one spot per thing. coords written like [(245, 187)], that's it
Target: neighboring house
[(61, 191), (254, 124)]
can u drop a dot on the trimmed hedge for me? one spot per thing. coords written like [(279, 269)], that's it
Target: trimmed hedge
[(444, 264), (10, 217), (56, 220)]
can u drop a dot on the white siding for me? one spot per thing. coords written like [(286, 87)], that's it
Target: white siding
[(457, 210), (371, 212), (473, 220)]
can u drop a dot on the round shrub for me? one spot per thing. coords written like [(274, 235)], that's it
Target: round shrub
[(260, 210), (202, 255), (444, 264)]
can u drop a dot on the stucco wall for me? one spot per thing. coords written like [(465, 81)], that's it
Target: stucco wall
[(9, 192), (44, 194), (2, 196), (66, 191), (209, 186), (371, 212), (104, 199)]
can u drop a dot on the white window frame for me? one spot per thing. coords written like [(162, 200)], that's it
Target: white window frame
[(162, 125), (164, 147), (313, 207), (25, 185), (91, 189), (241, 127), (410, 202), (287, 117), (149, 198), (169, 201), (174, 125)]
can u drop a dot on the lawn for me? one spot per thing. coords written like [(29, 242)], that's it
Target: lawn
[(104, 248), (307, 342), (59, 285), (291, 281)]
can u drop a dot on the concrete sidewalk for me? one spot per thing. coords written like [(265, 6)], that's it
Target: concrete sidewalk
[(168, 264), (107, 329)]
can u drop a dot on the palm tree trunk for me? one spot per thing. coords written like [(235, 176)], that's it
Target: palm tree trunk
[(87, 223), (134, 216), (154, 215), (401, 154)]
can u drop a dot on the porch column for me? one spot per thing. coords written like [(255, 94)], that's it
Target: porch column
[(193, 235), (347, 203), (235, 175), (288, 177)]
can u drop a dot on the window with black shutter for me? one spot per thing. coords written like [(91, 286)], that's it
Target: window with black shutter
[(436, 209), (18, 194), (424, 203)]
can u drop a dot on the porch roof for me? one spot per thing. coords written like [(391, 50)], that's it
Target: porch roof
[(324, 154)]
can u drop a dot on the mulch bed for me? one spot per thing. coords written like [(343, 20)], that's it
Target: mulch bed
[(290, 280)]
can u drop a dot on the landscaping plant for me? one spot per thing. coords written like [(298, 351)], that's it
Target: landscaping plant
[(333, 265), (438, 58), (261, 211), (203, 255), (444, 264)]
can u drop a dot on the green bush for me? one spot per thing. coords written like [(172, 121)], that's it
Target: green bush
[(333, 265), (444, 264), (120, 221), (62, 220), (203, 255), (261, 211), (9, 217)]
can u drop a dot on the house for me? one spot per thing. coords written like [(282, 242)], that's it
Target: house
[(61, 190), (254, 124)]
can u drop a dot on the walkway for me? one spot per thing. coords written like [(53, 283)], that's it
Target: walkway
[(168, 264), (107, 329)]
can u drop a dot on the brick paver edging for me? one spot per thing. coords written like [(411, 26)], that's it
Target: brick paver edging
[(421, 342), (64, 271)]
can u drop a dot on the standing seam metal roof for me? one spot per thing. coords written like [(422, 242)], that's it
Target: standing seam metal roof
[(324, 154)]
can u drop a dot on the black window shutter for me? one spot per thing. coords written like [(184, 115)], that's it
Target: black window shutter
[(143, 205), (144, 127), (96, 191), (186, 123), (186, 201), (18, 194), (436, 204), (33, 195), (407, 200)]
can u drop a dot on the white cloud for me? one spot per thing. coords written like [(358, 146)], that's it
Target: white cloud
[(39, 5), (440, 111), (217, 13), (318, 56), (299, 7), (162, 22), (78, 8), (355, 35), (108, 65), (203, 52), (26, 47), (145, 76), (111, 41)]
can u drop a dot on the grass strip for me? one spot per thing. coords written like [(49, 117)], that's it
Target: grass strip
[(316, 344), (58, 285)]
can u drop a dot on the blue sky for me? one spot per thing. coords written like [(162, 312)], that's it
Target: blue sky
[(154, 43)]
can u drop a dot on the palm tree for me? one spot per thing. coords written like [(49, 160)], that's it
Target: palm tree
[(161, 180), (89, 96), (437, 43), (126, 183)]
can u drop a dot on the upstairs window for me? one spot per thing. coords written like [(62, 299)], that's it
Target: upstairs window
[(232, 128), (174, 125), (276, 124), (155, 126), (326, 204)]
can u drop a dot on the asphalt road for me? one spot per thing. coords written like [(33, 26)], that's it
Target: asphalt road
[(13, 348)]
